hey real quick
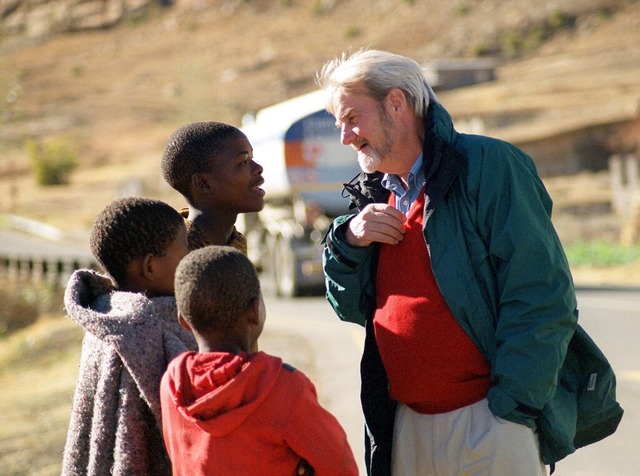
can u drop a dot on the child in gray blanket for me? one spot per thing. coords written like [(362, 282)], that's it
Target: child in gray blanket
[(131, 333)]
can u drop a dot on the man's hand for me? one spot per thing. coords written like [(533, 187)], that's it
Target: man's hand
[(377, 222)]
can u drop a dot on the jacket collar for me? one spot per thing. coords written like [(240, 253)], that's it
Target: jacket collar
[(443, 163)]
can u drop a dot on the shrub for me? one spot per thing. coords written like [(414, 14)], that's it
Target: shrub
[(23, 303), (51, 162), (353, 31), (16, 311)]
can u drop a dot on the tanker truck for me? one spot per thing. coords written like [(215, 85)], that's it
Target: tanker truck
[(305, 167)]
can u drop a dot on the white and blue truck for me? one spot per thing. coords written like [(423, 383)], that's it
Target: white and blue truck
[(305, 167)]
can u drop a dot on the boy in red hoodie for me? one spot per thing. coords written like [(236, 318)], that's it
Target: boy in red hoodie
[(227, 410)]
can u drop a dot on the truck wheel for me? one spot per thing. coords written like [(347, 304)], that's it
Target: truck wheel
[(285, 268)]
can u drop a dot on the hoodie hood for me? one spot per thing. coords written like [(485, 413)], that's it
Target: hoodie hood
[(143, 331), (92, 302), (219, 391)]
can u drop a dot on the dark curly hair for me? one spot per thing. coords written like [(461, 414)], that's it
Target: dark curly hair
[(214, 285), (189, 150), (131, 228)]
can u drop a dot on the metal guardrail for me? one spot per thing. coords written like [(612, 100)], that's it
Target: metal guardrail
[(55, 272), (31, 251)]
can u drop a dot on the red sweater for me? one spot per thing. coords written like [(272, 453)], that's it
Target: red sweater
[(431, 363), (247, 414)]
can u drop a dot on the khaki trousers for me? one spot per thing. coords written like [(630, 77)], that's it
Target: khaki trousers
[(468, 441)]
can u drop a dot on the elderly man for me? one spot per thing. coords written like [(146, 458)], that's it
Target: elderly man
[(453, 266)]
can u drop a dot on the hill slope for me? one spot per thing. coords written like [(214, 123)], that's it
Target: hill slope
[(117, 94)]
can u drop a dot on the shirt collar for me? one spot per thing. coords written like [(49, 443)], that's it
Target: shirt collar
[(414, 180)]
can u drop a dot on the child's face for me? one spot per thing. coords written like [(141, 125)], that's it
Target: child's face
[(168, 263), (236, 178)]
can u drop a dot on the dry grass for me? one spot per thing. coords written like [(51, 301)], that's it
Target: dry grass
[(118, 94), (38, 370)]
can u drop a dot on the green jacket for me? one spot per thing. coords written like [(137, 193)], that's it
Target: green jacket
[(501, 269)]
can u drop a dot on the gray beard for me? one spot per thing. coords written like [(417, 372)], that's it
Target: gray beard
[(369, 164)]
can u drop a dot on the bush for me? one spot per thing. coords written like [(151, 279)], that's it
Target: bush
[(527, 37), (23, 303), (16, 312), (51, 162)]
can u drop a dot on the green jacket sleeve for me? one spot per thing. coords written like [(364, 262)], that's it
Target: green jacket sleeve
[(536, 308), (349, 273)]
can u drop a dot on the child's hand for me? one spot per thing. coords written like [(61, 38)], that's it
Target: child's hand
[(304, 469)]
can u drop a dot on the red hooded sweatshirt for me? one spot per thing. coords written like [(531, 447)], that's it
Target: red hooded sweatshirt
[(246, 414)]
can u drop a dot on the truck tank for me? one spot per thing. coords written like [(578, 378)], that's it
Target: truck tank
[(305, 167)]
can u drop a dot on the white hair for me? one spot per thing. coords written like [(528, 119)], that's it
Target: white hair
[(377, 72)]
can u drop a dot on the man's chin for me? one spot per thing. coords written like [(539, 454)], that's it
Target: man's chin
[(368, 165)]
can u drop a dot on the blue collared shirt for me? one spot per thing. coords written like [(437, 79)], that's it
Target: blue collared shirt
[(415, 180)]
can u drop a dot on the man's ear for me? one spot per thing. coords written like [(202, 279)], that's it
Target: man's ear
[(396, 100), (182, 321)]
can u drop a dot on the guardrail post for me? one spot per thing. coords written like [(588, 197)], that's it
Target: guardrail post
[(625, 189)]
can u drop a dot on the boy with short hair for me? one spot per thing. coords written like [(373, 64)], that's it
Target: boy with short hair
[(131, 334), (227, 410), (211, 165)]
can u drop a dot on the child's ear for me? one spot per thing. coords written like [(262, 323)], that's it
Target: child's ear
[(182, 321), (135, 269), (148, 264), (253, 312), (200, 182)]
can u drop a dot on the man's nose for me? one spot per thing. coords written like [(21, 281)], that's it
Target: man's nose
[(347, 136)]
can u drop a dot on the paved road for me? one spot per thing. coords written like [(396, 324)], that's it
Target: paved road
[(612, 318), (308, 335)]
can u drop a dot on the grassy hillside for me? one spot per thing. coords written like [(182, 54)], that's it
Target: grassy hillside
[(116, 95)]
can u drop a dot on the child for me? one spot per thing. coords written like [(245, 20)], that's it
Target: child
[(211, 165), (131, 334), (229, 411)]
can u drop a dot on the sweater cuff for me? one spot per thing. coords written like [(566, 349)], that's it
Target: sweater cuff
[(336, 243)]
